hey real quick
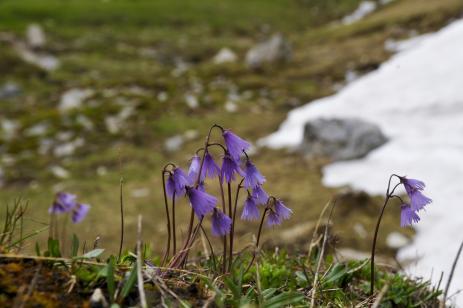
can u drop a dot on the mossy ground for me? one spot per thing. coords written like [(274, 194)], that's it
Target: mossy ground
[(120, 45)]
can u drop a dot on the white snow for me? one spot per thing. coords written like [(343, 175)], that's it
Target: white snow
[(417, 99), (365, 8)]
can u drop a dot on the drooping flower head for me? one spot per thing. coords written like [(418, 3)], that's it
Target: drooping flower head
[(252, 176), (414, 190), (79, 212), (235, 145), (210, 168), (193, 171), (221, 223), (229, 168), (260, 195), (250, 210), (64, 202), (273, 219), (176, 183), (408, 216), (281, 210), (201, 202)]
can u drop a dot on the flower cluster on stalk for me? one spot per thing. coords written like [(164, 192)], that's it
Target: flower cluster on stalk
[(67, 203), (418, 201), (235, 166)]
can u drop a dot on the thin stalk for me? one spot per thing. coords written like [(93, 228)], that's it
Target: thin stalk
[(211, 248), (174, 236), (389, 194), (230, 213), (258, 239), (224, 257), (121, 200), (452, 271), (232, 229), (166, 254)]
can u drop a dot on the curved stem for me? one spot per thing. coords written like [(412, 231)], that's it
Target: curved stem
[(224, 238), (258, 240), (166, 254), (211, 248), (230, 213)]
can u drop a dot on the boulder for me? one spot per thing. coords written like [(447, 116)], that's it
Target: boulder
[(225, 55), (275, 49), (35, 36), (340, 139)]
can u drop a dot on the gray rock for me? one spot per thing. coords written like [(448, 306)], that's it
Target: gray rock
[(225, 55), (9, 90), (340, 139), (276, 49), (35, 36)]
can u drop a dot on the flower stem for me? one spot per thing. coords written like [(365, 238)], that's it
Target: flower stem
[(258, 239), (121, 199), (224, 258), (230, 213), (389, 194), (174, 236), (166, 254), (232, 229)]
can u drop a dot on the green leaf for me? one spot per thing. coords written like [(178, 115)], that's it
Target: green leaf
[(37, 249), (110, 278), (284, 299), (53, 248), (91, 254), (128, 285), (75, 245)]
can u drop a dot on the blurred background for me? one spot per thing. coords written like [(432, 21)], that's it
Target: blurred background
[(92, 91)]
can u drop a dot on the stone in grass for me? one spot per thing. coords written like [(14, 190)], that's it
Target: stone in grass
[(9, 90), (97, 300), (225, 55), (35, 36), (275, 49), (340, 139)]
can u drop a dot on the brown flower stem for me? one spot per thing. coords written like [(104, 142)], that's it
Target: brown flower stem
[(258, 239), (174, 236), (166, 253), (389, 194), (224, 257)]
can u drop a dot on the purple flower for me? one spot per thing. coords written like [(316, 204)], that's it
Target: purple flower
[(260, 195), (273, 219), (201, 202), (281, 210), (193, 171), (229, 168), (176, 183), (79, 212), (413, 188), (63, 203), (210, 168), (252, 176), (408, 216), (235, 145), (221, 223), (250, 210)]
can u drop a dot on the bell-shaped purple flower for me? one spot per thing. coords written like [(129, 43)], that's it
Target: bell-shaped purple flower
[(252, 176), (64, 202), (193, 171), (282, 210), (260, 195), (229, 168), (210, 168), (250, 210), (79, 212), (273, 218), (408, 216), (221, 223), (201, 202), (176, 183), (235, 145), (413, 188)]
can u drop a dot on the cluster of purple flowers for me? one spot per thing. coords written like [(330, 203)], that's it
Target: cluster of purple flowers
[(192, 185), (418, 201), (67, 203)]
